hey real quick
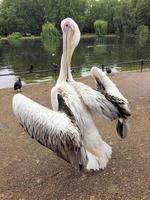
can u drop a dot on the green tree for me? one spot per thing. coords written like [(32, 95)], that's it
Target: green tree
[(124, 17), (100, 27), (75, 9), (25, 16), (143, 12), (28, 16), (50, 36), (49, 31), (142, 30), (104, 10)]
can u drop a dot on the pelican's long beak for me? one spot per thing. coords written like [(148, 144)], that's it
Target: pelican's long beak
[(67, 47)]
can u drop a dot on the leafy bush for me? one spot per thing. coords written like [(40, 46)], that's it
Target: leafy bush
[(49, 32), (142, 30), (15, 36), (100, 27)]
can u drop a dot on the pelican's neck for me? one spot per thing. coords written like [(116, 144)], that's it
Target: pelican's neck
[(65, 72)]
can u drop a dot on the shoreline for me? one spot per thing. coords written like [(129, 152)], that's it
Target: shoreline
[(38, 37), (50, 80)]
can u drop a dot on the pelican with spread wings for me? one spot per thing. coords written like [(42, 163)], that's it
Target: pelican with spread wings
[(69, 129)]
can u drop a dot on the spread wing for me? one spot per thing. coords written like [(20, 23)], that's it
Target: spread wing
[(110, 91), (54, 130), (113, 95), (96, 101)]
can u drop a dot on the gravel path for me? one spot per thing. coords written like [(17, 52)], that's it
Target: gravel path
[(28, 171)]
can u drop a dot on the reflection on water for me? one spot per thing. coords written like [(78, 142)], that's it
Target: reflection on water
[(15, 42), (7, 81), (19, 55), (142, 39), (50, 45)]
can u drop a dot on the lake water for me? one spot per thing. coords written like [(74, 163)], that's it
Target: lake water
[(17, 56)]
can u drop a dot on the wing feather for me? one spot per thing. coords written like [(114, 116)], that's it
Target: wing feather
[(113, 95), (110, 91), (96, 101), (52, 129), (69, 102)]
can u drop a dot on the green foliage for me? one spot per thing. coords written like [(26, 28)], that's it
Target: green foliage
[(50, 36), (143, 12), (61, 9), (14, 39), (100, 27), (142, 30), (124, 18), (102, 9), (28, 16), (14, 36), (25, 16), (49, 32)]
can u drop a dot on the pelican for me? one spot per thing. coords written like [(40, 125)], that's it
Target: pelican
[(69, 129)]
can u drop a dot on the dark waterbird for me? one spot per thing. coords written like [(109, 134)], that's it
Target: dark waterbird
[(73, 70), (18, 84), (108, 70), (55, 66)]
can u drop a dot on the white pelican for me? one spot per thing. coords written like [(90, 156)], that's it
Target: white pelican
[(69, 130)]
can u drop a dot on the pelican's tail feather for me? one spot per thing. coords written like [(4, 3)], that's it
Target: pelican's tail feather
[(122, 127), (107, 149), (97, 162)]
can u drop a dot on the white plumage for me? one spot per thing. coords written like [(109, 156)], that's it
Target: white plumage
[(111, 88), (70, 130), (52, 129)]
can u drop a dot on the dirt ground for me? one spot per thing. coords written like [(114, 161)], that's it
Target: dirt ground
[(28, 171)]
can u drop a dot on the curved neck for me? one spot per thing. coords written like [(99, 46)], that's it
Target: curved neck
[(65, 72)]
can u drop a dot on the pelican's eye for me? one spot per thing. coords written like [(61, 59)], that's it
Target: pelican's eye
[(66, 27)]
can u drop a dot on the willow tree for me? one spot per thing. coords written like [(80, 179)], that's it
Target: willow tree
[(100, 27), (50, 36), (49, 31), (142, 30)]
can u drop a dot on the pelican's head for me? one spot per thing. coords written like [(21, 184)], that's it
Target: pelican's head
[(71, 38)]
